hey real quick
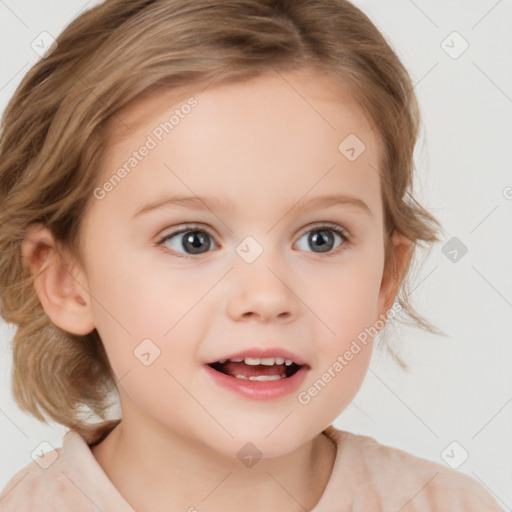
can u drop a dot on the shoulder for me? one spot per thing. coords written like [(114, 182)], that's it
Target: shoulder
[(38, 486), (399, 479), (67, 478)]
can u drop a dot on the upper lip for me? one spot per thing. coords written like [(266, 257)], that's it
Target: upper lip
[(260, 353)]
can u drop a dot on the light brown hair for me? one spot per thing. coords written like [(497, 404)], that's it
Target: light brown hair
[(54, 131)]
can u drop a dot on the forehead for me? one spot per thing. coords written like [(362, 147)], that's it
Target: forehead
[(303, 90), (292, 133)]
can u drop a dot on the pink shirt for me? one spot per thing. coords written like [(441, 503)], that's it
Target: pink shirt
[(366, 477)]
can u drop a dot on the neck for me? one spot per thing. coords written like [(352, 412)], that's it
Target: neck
[(165, 471)]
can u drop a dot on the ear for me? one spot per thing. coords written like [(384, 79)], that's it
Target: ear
[(393, 272), (59, 282)]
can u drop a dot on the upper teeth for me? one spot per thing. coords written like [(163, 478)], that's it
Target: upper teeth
[(267, 361)]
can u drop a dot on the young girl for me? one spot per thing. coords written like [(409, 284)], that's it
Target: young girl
[(257, 129)]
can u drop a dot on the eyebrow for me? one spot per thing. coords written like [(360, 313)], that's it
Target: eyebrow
[(214, 203)]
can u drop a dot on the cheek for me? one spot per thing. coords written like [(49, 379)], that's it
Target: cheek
[(348, 309), (133, 303), (147, 324), (134, 296), (346, 298)]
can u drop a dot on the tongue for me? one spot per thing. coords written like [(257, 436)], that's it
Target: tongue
[(234, 369)]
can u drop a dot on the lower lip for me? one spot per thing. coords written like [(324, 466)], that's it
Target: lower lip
[(259, 390)]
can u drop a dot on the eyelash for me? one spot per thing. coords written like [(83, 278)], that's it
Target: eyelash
[(343, 234)]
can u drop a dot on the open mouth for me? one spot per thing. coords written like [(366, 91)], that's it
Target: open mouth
[(265, 369)]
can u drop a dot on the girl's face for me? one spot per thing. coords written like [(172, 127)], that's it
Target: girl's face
[(250, 261)]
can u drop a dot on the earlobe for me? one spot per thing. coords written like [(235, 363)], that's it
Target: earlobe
[(59, 283)]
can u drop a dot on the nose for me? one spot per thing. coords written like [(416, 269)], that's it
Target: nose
[(261, 292)]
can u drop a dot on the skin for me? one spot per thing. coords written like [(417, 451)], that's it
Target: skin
[(267, 149)]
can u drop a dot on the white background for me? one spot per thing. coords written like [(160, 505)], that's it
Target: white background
[(458, 388)]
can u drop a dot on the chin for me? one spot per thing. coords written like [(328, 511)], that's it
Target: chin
[(265, 441)]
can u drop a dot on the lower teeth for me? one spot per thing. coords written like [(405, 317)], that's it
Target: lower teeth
[(260, 377)]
